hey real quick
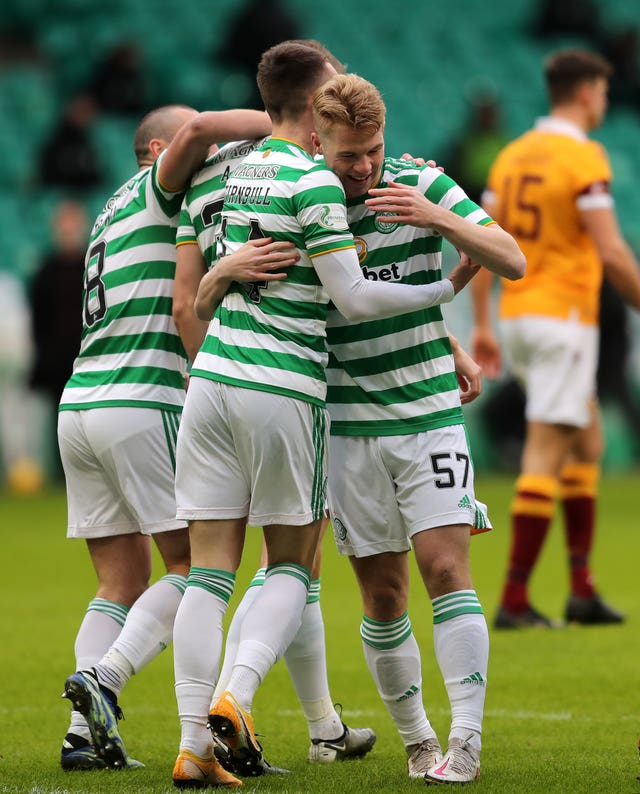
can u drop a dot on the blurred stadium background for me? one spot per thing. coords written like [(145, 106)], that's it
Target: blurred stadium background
[(432, 61)]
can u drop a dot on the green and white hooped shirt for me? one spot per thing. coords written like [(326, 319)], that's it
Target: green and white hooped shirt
[(396, 376), (271, 336), (130, 351)]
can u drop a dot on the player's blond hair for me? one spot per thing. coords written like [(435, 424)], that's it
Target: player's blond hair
[(351, 101)]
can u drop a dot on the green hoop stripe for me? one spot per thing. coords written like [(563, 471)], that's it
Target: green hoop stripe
[(463, 602), (258, 578), (177, 580), (290, 569), (112, 609), (215, 581), (314, 592), (383, 635), (454, 613)]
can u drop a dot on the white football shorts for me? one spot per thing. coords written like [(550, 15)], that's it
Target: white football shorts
[(119, 469), (556, 362), (244, 452), (385, 489)]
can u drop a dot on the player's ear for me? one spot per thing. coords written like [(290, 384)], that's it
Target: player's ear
[(156, 147), (315, 140)]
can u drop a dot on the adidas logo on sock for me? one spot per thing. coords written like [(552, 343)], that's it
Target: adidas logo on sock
[(411, 692), (466, 502), (474, 678)]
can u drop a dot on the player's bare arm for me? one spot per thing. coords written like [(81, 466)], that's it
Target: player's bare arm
[(463, 272), (485, 347), (468, 372), (256, 260), (619, 263), (190, 268), (191, 144), (489, 246)]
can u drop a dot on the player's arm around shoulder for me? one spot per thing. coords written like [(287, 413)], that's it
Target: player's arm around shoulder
[(191, 144), (476, 234), (257, 260)]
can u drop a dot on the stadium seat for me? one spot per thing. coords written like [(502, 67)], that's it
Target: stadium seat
[(113, 136), (427, 75)]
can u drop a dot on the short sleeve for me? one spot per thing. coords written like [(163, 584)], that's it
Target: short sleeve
[(186, 231), (322, 213)]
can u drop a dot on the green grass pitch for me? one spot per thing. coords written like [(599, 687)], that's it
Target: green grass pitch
[(562, 711)]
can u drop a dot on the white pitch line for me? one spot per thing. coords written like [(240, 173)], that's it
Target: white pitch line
[(548, 716), (498, 713), (502, 714)]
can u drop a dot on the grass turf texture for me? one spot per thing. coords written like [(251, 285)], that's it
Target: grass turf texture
[(563, 707)]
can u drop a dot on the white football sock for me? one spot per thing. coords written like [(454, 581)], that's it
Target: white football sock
[(393, 658), (197, 637), (233, 632), (146, 632), (306, 660), (461, 643), (102, 623), (268, 628), (78, 726)]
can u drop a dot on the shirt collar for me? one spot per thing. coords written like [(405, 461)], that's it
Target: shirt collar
[(560, 127)]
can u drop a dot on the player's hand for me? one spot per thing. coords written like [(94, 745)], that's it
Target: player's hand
[(258, 260), (469, 374), (403, 204), (485, 349), (420, 161), (462, 273)]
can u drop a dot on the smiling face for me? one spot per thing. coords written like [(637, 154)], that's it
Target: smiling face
[(356, 156)]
